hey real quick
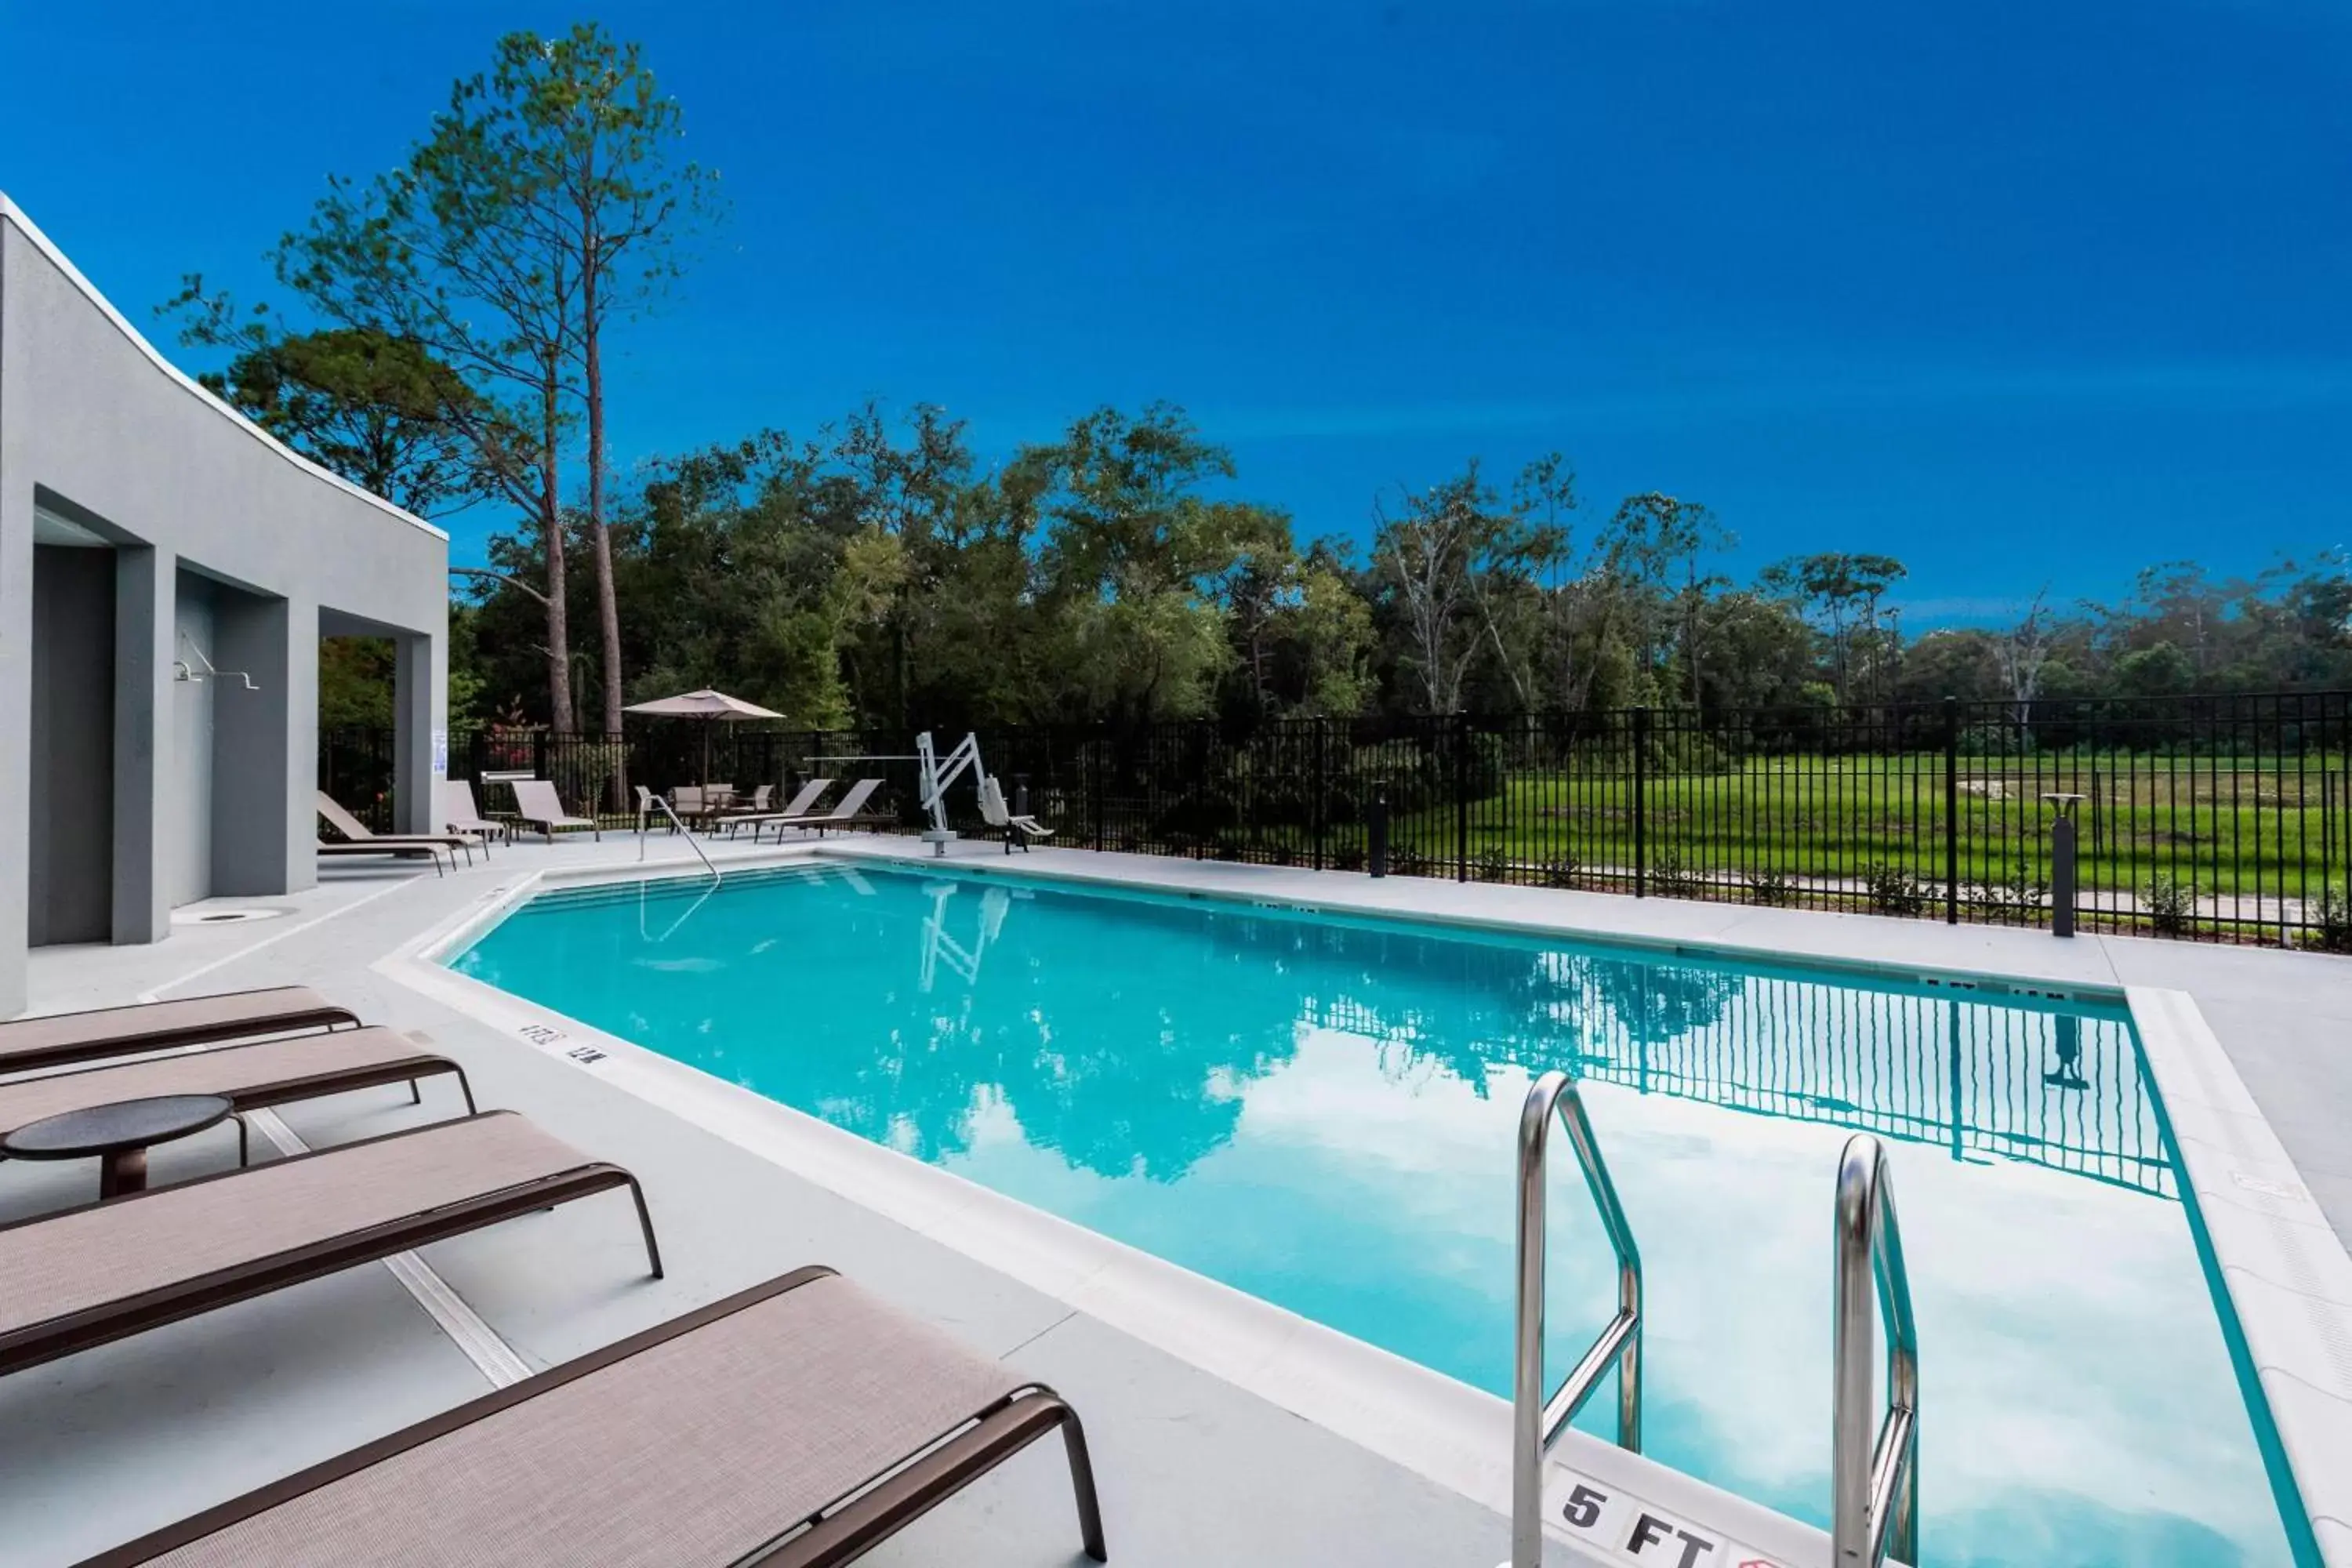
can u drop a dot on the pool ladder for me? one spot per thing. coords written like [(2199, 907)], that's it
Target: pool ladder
[(1874, 1505)]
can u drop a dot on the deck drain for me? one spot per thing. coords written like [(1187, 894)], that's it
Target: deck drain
[(222, 917)]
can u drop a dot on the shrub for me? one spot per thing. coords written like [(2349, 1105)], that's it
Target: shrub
[(1670, 879), (1773, 889), (1894, 890), (1491, 864), (1347, 856), (2019, 897), (1563, 872), (2171, 906), (2331, 921)]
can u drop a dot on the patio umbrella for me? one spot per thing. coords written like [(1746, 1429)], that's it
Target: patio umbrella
[(711, 707)]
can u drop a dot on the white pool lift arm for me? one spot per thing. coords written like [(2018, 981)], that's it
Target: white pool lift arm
[(938, 773)]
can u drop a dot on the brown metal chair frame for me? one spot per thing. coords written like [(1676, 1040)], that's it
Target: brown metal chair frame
[(39, 1343), (844, 1529)]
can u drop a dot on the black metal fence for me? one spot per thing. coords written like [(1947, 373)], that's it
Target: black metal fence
[(2223, 818)]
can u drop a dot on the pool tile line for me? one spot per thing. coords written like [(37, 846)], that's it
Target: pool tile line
[(1390, 899)]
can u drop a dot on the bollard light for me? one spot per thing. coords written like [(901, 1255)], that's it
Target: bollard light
[(2061, 861)]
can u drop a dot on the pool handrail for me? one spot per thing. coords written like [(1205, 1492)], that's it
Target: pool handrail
[(662, 802), (1873, 1458), (1538, 1419)]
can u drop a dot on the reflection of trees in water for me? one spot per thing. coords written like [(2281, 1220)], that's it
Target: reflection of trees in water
[(1124, 1035), (1129, 1068), (1122, 1068)]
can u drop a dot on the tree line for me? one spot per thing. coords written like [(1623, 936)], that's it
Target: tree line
[(443, 345)]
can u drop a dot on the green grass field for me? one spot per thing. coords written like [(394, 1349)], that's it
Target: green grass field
[(2229, 828)]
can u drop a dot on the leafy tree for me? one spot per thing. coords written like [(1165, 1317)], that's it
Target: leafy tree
[(1845, 593), (377, 409), (578, 130), (1451, 556)]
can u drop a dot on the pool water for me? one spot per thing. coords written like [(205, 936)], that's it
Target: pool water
[(1321, 1112)]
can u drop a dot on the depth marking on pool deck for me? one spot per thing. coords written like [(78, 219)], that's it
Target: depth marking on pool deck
[(1628, 1527)]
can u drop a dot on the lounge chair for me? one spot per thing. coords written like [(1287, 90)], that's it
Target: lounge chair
[(998, 816), (799, 1423), (274, 1072), (536, 800), (102, 1272), (459, 814), (846, 814), (354, 831), (801, 804), (332, 850), (59, 1039)]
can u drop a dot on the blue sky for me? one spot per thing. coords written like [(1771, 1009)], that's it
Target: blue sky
[(2020, 293)]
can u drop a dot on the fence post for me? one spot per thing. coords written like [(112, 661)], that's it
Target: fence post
[(1322, 787), (1095, 777), (1641, 802), (1462, 797), (1952, 811)]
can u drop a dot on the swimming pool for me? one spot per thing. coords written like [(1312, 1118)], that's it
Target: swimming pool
[(1320, 1112)]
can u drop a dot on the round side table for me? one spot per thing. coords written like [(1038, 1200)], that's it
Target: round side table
[(118, 1135)]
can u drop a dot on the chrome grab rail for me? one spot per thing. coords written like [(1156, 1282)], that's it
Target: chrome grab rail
[(1538, 1420), (662, 801), (1874, 1500)]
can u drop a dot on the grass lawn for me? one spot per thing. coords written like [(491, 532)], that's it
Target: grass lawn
[(2229, 828)]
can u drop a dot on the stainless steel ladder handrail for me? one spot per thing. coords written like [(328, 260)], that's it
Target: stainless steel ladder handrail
[(1874, 1499), (1538, 1419), (662, 801)]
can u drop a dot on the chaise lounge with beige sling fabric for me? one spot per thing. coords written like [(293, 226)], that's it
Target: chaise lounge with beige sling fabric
[(850, 813), (250, 1078), (59, 1039), (460, 815), (88, 1276), (536, 801), (801, 804), (800, 1423), (360, 834)]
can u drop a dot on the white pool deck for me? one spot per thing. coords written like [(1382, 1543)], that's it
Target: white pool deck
[(1225, 1432)]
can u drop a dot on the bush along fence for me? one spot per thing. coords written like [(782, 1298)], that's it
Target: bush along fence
[(2226, 817)]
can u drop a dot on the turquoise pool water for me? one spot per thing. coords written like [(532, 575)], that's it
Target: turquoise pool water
[(1321, 1112)]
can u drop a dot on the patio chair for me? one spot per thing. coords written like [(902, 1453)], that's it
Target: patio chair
[(802, 1422), (762, 800), (539, 807), (843, 815), (61, 1038), (106, 1270), (993, 811), (647, 802), (801, 804), (459, 814), (354, 831), (250, 1078)]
